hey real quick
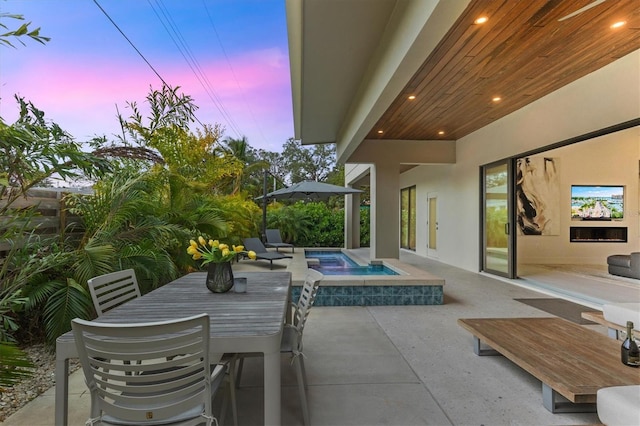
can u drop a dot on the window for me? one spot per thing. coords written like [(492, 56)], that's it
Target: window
[(408, 218)]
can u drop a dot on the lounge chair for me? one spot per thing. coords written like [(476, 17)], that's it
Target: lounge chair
[(254, 244), (274, 240)]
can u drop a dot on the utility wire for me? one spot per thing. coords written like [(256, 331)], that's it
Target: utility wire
[(139, 53), (130, 42), (233, 73), (179, 41)]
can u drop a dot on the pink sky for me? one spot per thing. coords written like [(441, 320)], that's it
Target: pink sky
[(78, 81)]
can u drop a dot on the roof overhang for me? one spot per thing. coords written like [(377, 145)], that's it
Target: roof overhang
[(352, 62)]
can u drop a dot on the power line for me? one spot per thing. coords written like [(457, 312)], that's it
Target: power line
[(233, 73), (192, 62), (130, 42), (139, 53)]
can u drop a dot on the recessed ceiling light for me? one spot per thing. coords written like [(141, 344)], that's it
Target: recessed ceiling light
[(481, 20), (380, 132), (496, 99), (441, 132), (618, 24), (411, 97)]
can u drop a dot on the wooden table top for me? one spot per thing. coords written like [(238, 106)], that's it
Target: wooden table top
[(234, 317), (573, 360)]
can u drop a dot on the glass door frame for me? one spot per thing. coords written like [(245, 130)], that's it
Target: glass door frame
[(510, 229), (432, 224), (408, 227)]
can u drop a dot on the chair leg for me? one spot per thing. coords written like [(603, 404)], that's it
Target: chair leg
[(239, 373), (232, 390), (229, 397), (304, 372), (230, 393), (299, 366)]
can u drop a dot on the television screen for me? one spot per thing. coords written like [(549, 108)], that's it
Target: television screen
[(597, 202)]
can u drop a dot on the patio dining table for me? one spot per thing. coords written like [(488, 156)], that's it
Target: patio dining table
[(240, 323)]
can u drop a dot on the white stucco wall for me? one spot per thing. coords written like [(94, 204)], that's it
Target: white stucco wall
[(601, 99)]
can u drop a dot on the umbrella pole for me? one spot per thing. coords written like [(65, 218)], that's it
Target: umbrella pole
[(264, 207)]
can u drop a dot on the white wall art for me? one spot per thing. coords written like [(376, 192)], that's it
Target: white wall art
[(538, 195)]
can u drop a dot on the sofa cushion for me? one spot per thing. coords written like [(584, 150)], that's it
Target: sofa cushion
[(623, 260), (619, 405), (620, 313)]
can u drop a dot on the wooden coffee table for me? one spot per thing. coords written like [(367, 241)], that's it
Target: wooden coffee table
[(571, 361)]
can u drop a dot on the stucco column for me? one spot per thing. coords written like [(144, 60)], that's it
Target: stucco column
[(385, 211), (352, 221)]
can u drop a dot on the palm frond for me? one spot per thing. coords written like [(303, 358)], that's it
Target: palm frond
[(94, 259), (14, 365), (70, 300)]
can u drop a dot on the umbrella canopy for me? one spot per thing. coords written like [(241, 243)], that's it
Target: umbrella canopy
[(311, 190)]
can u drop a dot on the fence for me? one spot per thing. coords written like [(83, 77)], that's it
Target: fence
[(51, 217)]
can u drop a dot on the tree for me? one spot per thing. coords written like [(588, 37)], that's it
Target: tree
[(22, 31), (31, 151), (197, 156), (308, 163), (249, 179)]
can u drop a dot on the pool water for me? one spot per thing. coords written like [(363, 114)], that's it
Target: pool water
[(337, 263)]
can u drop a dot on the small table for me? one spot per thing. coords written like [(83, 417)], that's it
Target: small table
[(570, 360), (240, 323)]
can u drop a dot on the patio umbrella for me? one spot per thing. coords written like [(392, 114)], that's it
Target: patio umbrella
[(310, 190)]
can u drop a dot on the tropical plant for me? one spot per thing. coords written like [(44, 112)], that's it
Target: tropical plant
[(32, 151), (249, 178), (294, 223), (22, 31), (198, 156), (15, 366)]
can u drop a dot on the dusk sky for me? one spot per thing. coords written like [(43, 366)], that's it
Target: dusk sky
[(236, 67)]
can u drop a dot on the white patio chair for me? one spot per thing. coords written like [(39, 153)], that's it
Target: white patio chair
[(114, 289), (291, 343), (111, 290), (174, 383)]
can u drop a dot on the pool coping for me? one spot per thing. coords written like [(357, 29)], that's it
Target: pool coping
[(408, 275)]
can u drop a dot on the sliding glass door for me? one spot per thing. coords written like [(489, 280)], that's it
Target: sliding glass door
[(498, 241)]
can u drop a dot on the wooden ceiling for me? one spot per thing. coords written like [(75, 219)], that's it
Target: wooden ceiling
[(520, 54)]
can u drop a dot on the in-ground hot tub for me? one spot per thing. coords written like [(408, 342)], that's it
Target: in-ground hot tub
[(401, 284), (335, 262)]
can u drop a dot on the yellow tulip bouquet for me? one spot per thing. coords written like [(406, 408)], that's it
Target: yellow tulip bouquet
[(213, 251)]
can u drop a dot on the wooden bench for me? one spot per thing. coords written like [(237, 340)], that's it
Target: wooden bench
[(571, 361)]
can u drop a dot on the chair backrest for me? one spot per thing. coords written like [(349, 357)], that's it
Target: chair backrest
[(114, 289), (273, 236), (146, 372), (306, 300), (254, 244)]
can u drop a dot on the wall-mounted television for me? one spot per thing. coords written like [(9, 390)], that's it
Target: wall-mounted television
[(597, 202)]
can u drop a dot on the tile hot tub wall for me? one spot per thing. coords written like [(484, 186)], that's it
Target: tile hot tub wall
[(376, 295)]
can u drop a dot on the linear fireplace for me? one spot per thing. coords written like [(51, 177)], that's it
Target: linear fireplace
[(598, 234)]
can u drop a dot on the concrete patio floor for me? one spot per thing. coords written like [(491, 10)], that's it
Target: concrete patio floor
[(389, 365)]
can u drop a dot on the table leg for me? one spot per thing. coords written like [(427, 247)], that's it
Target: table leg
[(556, 403), (62, 391), (272, 388), (480, 351)]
